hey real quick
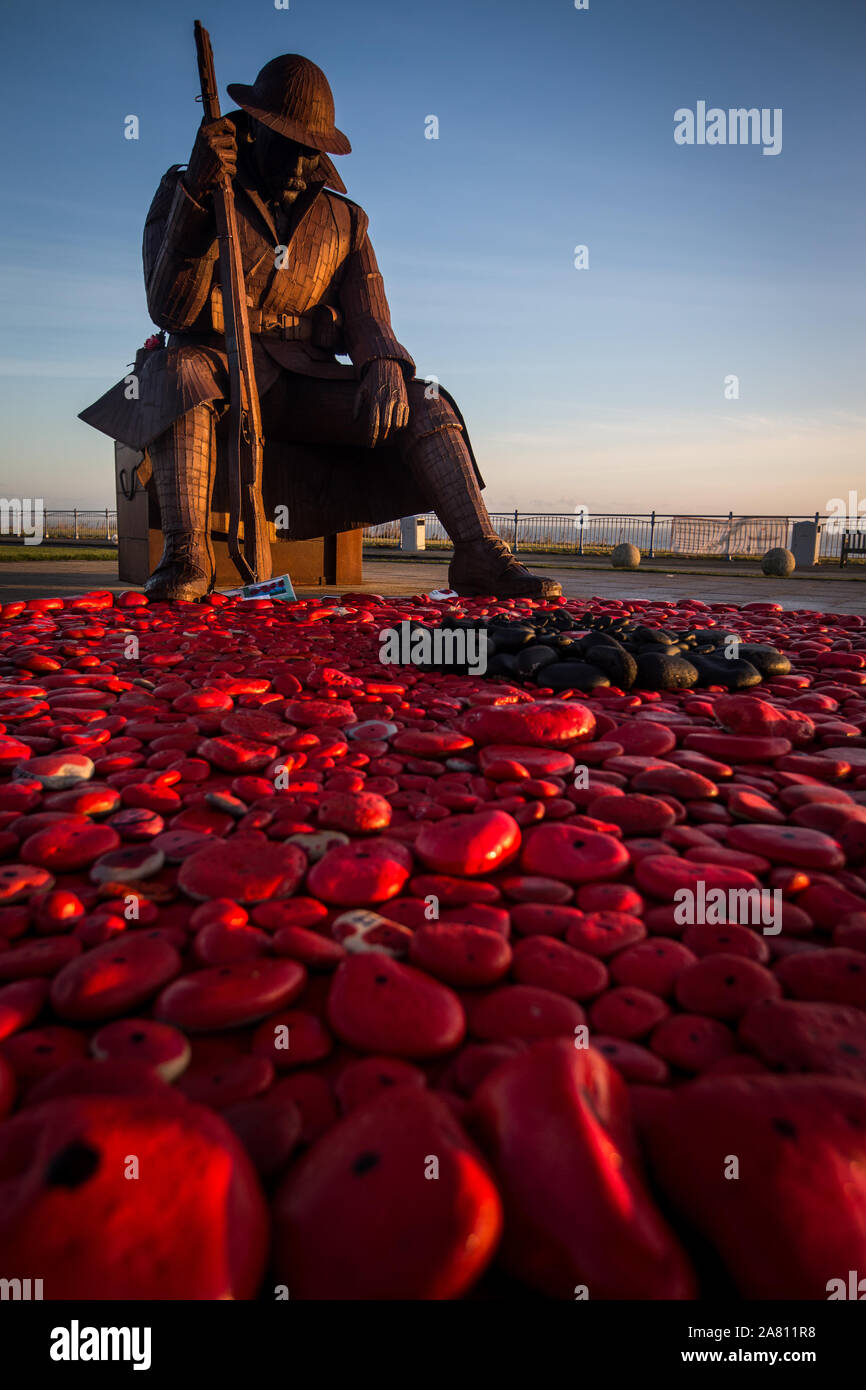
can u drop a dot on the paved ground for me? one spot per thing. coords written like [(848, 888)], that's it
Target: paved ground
[(829, 592)]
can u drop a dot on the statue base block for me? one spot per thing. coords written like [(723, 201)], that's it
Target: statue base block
[(316, 562)]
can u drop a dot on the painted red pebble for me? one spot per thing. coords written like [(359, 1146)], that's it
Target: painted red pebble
[(313, 950), (365, 1168), (226, 1081), (57, 910), (531, 888), (153, 796), (851, 932), (734, 858), (366, 1078), (357, 813), (602, 934), (627, 1012), (634, 814), (609, 897), (14, 922), (35, 959), (307, 713), (289, 912), (572, 854), (826, 903), (87, 800), (460, 954), (533, 762), (228, 996), (13, 751), (20, 1003), (87, 1077), (551, 964), (633, 1062), (692, 1042), (113, 979), (794, 1036), (477, 1060), (178, 845), (269, 1129), (485, 915), (738, 748), (652, 965), (218, 944), (197, 1228), (831, 975), (706, 939), (292, 1038), (453, 892), (674, 781), (845, 824), (432, 743), (247, 868), (538, 723), (645, 739), (35, 1052), (203, 701), (314, 1098), (788, 844), (737, 1064), (523, 1011), (225, 911), (70, 844), (808, 1132), (543, 919), (57, 771), (723, 985), (8, 1087), (377, 1004), (746, 714), (470, 845), (363, 872), (157, 1045), (666, 875), (578, 1216)]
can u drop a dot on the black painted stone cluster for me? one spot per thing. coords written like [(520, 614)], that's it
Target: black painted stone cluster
[(616, 651)]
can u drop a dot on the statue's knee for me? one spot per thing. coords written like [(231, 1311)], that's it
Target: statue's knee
[(429, 410)]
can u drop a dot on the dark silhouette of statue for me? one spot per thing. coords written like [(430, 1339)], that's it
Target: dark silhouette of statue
[(314, 292)]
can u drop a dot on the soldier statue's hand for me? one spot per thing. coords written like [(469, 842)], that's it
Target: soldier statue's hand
[(214, 153), (383, 391)]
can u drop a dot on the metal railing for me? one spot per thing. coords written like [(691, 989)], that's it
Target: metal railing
[(79, 525), (70, 524), (656, 534), (725, 535)]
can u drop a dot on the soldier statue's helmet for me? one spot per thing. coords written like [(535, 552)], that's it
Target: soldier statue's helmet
[(292, 96)]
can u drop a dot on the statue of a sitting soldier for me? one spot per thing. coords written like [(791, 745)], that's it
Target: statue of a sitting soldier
[(314, 292)]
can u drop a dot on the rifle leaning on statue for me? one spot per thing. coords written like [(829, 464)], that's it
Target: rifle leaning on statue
[(245, 422)]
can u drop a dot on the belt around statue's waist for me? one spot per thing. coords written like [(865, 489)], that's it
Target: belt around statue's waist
[(286, 327)]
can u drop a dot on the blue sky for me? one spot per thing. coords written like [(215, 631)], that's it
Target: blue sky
[(601, 387)]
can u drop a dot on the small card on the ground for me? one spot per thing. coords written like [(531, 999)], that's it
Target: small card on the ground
[(279, 587)]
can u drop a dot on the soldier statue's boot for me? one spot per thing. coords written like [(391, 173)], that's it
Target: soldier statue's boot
[(482, 562), (487, 566), (184, 463)]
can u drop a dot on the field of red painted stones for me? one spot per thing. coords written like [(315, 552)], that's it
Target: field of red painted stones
[(300, 955)]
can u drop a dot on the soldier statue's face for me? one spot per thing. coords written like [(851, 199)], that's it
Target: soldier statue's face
[(285, 166)]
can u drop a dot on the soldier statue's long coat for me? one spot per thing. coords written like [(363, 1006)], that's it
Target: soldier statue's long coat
[(326, 299)]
